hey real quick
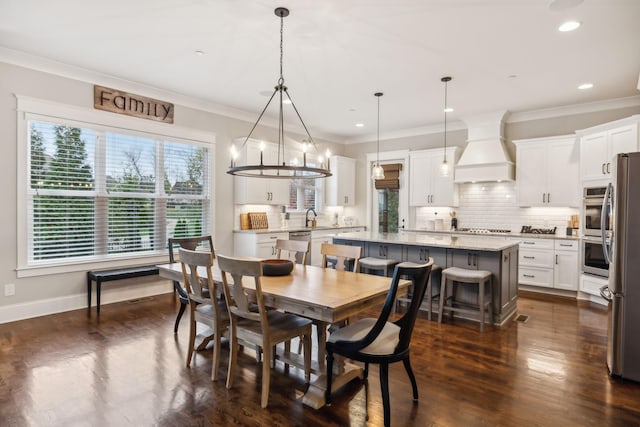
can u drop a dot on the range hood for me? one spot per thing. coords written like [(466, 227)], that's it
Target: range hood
[(485, 159)]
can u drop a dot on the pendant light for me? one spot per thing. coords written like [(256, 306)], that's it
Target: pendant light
[(280, 169), (378, 172), (444, 167)]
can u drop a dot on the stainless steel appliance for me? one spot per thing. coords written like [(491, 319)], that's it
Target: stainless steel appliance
[(301, 235), (592, 212), (623, 290), (593, 261)]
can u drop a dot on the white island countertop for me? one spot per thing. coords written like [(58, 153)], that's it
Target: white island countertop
[(476, 242)]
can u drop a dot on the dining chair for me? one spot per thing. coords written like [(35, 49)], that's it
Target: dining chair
[(190, 243), (204, 307), (264, 328), (343, 255), (293, 250), (379, 340)]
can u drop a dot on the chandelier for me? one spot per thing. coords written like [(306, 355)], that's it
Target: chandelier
[(280, 169)]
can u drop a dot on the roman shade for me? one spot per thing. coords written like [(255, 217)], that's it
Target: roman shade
[(391, 179)]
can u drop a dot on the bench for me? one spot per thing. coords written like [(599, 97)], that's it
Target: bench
[(115, 274)]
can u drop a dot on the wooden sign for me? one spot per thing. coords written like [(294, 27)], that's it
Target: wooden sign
[(120, 102)]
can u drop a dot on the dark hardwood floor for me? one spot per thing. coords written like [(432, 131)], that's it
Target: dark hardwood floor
[(126, 368)]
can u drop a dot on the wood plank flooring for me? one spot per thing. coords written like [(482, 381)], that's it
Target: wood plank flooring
[(126, 368)]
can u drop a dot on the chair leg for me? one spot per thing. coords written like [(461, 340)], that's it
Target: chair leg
[(183, 306), (365, 373), (192, 338), (307, 356), (266, 374), (443, 297), (414, 386), (384, 389), (287, 349), (215, 363), (429, 298), (481, 303), (233, 356), (327, 393)]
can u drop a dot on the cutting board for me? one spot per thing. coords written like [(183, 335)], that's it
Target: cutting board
[(258, 220)]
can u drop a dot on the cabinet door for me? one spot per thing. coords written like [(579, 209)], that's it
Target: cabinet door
[(340, 188), (532, 174), (442, 187), (565, 273), (463, 259), (622, 140), (420, 176), (593, 156), (260, 190), (563, 174)]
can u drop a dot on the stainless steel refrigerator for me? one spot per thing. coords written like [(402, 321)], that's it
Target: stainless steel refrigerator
[(623, 255)]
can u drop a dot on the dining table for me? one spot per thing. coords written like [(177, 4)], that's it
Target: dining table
[(325, 295)]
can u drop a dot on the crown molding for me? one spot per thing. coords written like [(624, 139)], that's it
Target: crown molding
[(570, 110), (57, 68), (406, 133)]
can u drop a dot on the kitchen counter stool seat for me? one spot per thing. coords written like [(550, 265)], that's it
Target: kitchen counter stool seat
[(378, 264), (481, 278)]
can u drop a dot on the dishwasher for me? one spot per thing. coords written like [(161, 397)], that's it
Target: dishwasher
[(304, 236)]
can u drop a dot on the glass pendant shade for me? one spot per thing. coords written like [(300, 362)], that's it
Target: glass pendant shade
[(377, 172), (444, 168)]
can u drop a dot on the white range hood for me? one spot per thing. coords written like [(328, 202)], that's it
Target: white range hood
[(485, 159)]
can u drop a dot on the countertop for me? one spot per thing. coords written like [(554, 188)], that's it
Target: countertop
[(298, 229), (471, 242), (505, 235)]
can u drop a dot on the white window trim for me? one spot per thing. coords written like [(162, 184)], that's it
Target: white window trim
[(30, 108), (388, 157)]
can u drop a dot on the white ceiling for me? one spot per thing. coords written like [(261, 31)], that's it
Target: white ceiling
[(502, 54)]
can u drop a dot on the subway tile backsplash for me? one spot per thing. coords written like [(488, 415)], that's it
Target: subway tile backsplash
[(493, 205)]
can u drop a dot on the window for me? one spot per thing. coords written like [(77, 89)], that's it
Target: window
[(303, 194), (97, 192)]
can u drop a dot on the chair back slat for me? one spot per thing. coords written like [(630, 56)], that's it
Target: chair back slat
[(293, 250), (190, 243), (342, 253), (195, 284), (238, 300), (420, 276)]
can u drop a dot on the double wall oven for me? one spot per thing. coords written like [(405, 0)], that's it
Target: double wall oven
[(596, 230)]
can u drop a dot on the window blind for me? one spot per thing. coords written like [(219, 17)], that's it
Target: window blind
[(391, 179), (96, 192)]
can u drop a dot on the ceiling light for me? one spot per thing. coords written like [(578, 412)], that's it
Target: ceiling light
[(280, 169), (585, 86), (569, 26), (359, 125), (378, 172), (444, 166), (199, 52)]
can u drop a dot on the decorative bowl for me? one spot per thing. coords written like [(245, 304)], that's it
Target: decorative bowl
[(276, 267)]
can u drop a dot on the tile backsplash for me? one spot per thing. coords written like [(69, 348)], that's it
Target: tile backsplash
[(493, 205)]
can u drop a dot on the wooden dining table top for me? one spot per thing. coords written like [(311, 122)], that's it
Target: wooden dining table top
[(318, 293)]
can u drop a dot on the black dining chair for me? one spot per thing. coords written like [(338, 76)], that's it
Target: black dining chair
[(190, 243), (380, 341)]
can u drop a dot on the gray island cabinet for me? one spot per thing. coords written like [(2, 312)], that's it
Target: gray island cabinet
[(497, 255)]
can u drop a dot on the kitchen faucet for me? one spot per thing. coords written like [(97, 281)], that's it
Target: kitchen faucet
[(306, 216)]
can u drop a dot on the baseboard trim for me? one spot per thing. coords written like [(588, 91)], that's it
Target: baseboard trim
[(31, 309)]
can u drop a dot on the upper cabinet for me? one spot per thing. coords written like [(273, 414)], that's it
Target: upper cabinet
[(426, 186), (599, 144), (340, 187), (260, 191), (548, 171)]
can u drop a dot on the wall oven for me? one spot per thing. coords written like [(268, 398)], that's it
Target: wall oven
[(593, 258), (593, 210)]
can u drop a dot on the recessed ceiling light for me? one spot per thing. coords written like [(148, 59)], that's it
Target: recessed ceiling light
[(448, 110), (359, 125), (568, 26), (199, 52), (585, 86)]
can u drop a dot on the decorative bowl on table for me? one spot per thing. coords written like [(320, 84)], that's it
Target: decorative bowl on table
[(276, 267)]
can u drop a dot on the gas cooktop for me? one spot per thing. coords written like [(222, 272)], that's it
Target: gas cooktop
[(527, 229), (483, 230)]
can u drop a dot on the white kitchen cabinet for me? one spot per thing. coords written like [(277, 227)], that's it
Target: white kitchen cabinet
[(592, 284), (260, 191), (549, 263), (548, 171), (426, 186), (259, 245), (600, 143), (565, 269), (318, 237), (340, 187)]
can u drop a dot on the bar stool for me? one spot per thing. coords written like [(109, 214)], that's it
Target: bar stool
[(378, 264), (481, 278)]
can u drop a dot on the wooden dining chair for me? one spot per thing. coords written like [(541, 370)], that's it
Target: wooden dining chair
[(343, 254), (379, 340), (190, 243), (293, 250), (264, 328), (204, 307)]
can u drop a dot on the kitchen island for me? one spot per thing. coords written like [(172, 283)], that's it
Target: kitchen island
[(499, 256)]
